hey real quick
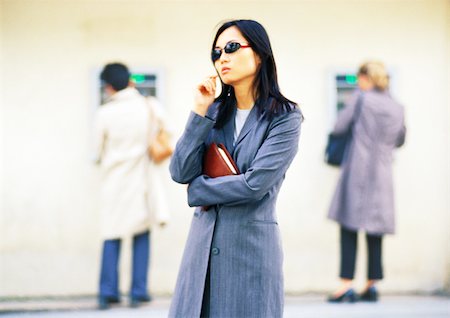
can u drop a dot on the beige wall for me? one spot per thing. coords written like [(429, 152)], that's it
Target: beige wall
[(2, 226), (448, 147), (49, 242)]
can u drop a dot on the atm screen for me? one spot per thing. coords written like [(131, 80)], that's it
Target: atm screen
[(345, 85), (145, 83)]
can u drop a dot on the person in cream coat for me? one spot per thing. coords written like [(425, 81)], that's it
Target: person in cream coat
[(123, 129)]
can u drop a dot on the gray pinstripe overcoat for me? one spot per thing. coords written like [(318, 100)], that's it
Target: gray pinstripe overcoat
[(364, 197), (240, 234)]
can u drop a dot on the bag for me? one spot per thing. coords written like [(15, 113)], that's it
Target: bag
[(337, 144), (335, 150), (160, 148)]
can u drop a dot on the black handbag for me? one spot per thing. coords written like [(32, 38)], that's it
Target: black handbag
[(335, 150), (337, 144)]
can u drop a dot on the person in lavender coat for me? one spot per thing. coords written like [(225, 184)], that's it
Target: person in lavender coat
[(364, 197), (233, 259)]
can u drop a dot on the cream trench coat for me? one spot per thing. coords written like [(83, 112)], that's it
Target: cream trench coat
[(128, 204)]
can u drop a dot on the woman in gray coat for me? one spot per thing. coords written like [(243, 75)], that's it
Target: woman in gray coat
[(232, 263), (364, 198)]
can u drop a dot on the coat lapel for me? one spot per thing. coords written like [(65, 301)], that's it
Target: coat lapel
[(228, 132), (251, 121)]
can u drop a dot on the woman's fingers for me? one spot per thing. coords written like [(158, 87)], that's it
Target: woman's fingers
[(208, 85), (205, 94)]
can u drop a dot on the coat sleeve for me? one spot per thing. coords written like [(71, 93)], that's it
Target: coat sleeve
[(402, 133), (345, 116), (401, 138), (186, 162), (267, 168), (99, 138)]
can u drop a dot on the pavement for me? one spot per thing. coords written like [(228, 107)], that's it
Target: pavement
[(305, 306)]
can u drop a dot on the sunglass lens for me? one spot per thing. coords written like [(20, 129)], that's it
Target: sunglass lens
[(231, 47), (215, 54)]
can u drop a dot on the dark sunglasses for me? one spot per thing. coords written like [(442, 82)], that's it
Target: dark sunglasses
[(230, 47)]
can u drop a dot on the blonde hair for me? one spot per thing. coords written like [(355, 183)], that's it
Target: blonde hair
[(376, 72)]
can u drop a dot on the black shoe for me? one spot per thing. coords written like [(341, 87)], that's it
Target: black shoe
[(348, 297), (371, 294), (135, 301), (105, 301)]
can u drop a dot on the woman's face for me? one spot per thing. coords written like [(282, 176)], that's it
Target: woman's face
[(240, 66)]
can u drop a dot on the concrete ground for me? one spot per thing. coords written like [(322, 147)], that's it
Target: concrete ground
[(308, 306)]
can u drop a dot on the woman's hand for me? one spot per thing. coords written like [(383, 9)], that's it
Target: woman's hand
[(204, 95)]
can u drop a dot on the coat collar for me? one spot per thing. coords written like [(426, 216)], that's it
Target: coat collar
[(229, 127), (251, 121), (228, 132), (126, 93)]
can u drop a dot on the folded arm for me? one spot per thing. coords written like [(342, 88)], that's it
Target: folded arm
[(186, 162), (268, 167)]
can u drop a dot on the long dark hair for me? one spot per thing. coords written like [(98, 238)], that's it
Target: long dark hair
[(265, 85)]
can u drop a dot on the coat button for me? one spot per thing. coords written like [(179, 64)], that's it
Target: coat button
[(215, 250)]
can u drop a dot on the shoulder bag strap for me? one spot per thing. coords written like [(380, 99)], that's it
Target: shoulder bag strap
[(357, 108)]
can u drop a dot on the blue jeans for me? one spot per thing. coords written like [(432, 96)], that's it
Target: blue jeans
[(109, 276)]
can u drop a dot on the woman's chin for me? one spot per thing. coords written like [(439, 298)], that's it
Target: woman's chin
[(226, 79)]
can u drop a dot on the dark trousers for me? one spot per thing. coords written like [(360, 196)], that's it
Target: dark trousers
[(349, 241), (109, 276), (204, 313)]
